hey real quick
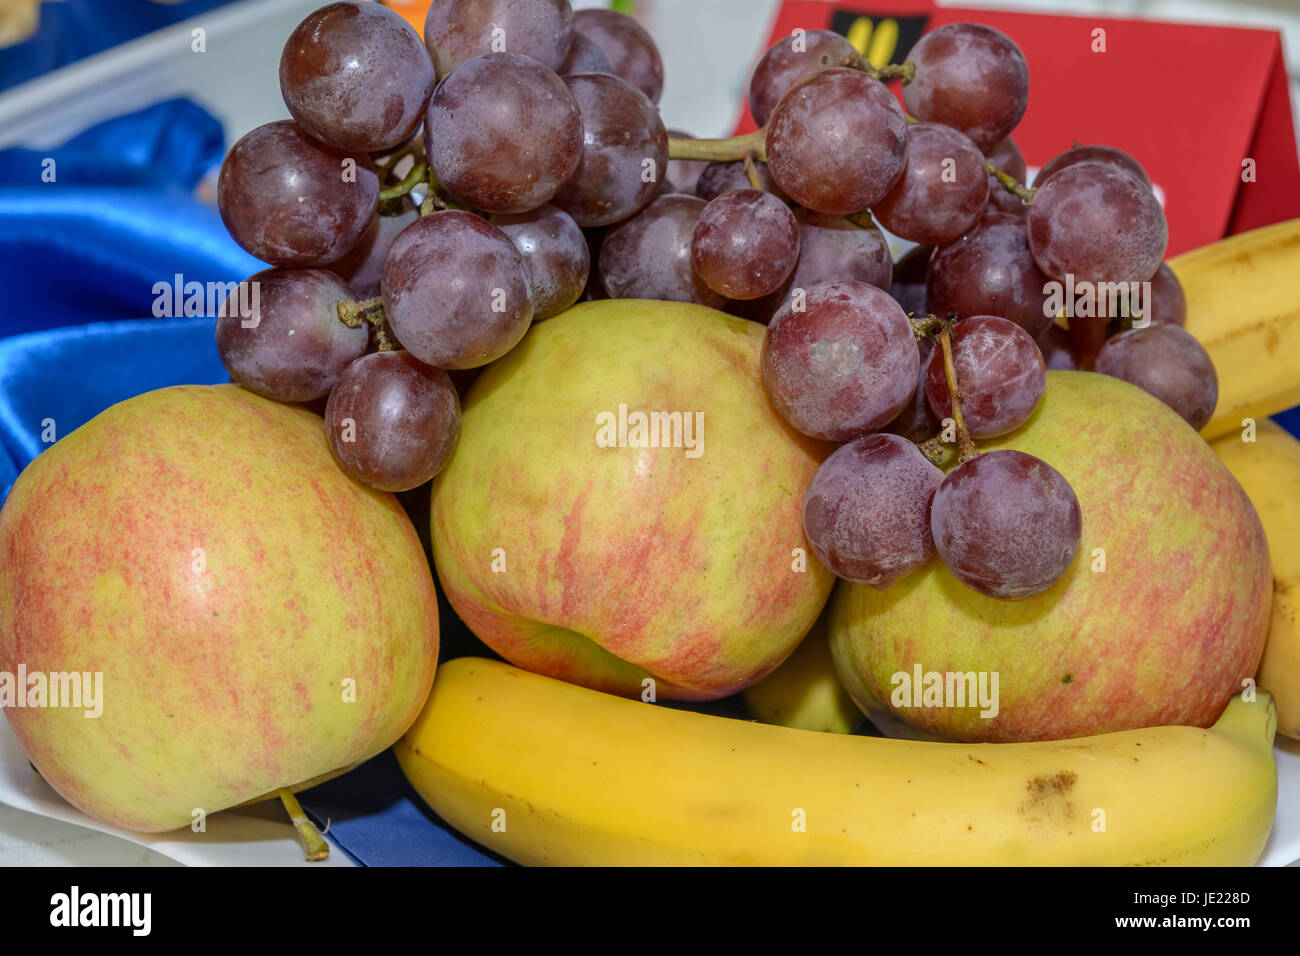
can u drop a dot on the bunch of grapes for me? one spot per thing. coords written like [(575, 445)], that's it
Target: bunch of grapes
[(430, 199)]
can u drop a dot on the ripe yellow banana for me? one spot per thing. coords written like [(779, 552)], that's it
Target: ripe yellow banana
[(1242, 306), (1269, 469), (546, 772), (805, 692)]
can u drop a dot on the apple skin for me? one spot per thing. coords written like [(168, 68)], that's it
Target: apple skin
[(1165, 635), (626, 563), (223, 672)]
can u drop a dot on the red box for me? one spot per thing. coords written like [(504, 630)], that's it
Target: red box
[(1190, 102)]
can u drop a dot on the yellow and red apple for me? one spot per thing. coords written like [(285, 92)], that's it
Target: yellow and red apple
[(574, 551), (260, 620)]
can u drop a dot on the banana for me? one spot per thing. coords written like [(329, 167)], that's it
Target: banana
[(546, 772), (804, 692), (1269, 469), (1242, 306)]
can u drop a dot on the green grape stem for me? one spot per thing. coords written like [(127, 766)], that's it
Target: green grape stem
[(965, 444), (1011, 184), (435, 200), (354, 312), (932, 449), (389, 166), (733, 149), (940, 329), (924, 326), (893, 71), (417, 175)]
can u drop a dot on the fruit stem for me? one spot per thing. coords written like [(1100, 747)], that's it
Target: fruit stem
[(1011, 184), (752, 171), (434, 200), (932, 449), (965, 444), (413, 178), (313, 844), (730, 150), (924, 326), (891, 71), (353, 313)]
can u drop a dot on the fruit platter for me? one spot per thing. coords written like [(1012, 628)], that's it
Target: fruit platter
[(835, 493)]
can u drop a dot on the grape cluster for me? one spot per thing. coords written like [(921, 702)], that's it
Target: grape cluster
[(838, 359), (433, 197)]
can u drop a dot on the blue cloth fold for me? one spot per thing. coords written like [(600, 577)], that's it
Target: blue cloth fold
[(174, 142)]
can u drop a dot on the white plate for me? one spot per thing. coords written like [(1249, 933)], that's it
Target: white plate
[(255, 837)]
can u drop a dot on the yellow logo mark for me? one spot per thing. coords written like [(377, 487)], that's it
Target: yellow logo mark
[(876, 41)]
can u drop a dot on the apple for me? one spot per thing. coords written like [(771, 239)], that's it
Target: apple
[(260, 621), (1160, 618), (576, 550)]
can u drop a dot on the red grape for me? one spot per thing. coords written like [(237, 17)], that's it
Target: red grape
[(555, 255), (456, 291), (1090, 154), (1006, 524), (630, 50), (990, 271), (970, 77), (790, 60), (584, 57), (723, 177), (1058, 354), (363, 267), (943, 191), (1000, 373), (459, 30), (685, 173), (1170, 364), (1167, 304), (291, 346), (837, 141), (624, 154), (840, 363), (503, 133), (908, 282), (1097, 222), (356, 76), (649, 255), (392, 421), (831, 248), (916, 422), (745, 244), (1006, 156), (293, 202), (867, 511)]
